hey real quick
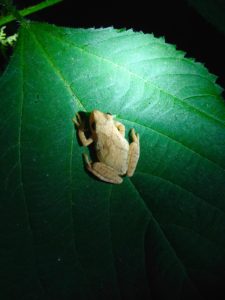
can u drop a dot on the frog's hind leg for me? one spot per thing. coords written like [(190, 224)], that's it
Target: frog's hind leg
[(102, 171), (134, 153)]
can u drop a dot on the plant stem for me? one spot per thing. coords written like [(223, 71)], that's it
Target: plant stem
[(29, 10)]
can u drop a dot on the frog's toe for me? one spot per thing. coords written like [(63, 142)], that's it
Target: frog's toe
[(78, 117), (87, 161), (76, 122), (134, 135)]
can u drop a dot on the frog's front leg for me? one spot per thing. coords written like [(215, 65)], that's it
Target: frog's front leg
[(120, 127), (78, 122), (102, 171), (134, 153)]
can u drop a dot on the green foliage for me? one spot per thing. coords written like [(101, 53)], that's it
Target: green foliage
[(67, 235), (18, 15), (7, 40)]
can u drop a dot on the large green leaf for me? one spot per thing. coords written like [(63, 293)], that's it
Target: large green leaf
[(67, 235)]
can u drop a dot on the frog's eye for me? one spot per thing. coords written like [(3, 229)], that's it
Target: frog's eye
[(93, 126), (109, 113)]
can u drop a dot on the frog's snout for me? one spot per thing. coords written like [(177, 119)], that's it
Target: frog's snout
[(95, 113)]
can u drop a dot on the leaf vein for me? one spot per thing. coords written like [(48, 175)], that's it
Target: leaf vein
[(71, 204), (186, 105), (175, 141), (183, 189), (57, 71), (181, 74), (21, 108), (183, 267), (215, 243), (110, 237), (202, 95)]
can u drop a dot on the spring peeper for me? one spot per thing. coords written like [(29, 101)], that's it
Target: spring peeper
[(116, 156)]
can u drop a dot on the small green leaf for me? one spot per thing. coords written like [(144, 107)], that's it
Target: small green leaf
[(67, 235)]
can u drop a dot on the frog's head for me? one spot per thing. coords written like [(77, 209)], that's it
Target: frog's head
[(98, 118)]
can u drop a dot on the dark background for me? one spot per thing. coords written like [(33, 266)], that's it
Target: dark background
[(176, 20)]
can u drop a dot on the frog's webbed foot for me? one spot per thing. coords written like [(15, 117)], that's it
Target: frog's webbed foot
[(81, 128), (134, 153), (102, 171)]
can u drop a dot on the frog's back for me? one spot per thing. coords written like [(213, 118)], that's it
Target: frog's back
[(112, 149)]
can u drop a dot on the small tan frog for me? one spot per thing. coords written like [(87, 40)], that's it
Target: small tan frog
[(116, 156)]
